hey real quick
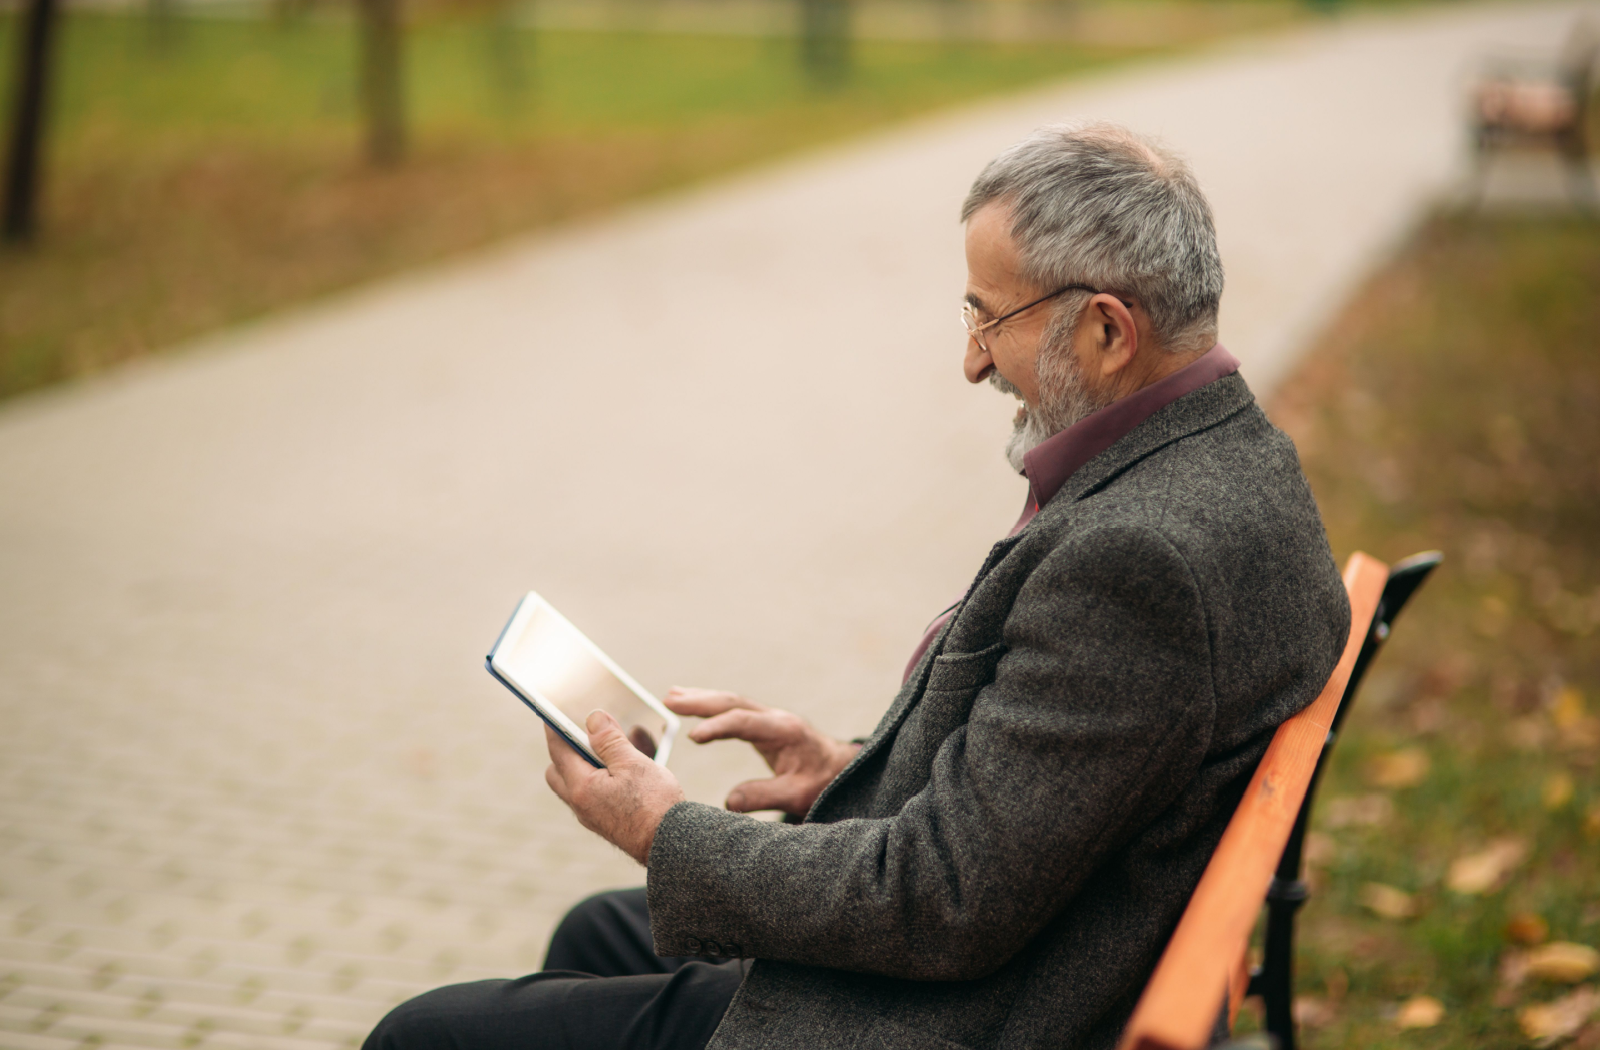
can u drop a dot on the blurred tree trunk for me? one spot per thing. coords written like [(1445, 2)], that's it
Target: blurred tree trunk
[(507, 41), (163, 22), (382, 92), (26, 148), (290, 12), (954, 19), (825, 41)]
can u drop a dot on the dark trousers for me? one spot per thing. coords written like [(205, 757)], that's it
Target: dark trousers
[(602, 987)]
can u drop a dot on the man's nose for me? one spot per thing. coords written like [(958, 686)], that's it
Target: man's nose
[(977, 364)]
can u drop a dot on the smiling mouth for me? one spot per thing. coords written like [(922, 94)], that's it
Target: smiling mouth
[(1005, 386)]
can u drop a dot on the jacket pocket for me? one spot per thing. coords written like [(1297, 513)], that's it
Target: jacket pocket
[(884, 1034), (960, 671)]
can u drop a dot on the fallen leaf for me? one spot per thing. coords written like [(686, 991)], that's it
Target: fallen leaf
[(1591, 821), (1399, 769), (1320, 849), (1513, 968), (1488, 868), (1566, 709), (1312, 1012), (1527, 928), (1547, 1023), (1575, 728), (1527, 734), (1387, 902), (1557, 791), (1428, 715), (1492, 616), (1419, 1011), (1371, 944), (1446, 675), (1363, 810), (1513, 972), (1563, 962), (1582, 735)]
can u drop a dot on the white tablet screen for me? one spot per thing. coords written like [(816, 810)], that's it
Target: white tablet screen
[(555, 661)]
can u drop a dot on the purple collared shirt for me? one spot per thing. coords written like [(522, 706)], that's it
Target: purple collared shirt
[(1048, 466)]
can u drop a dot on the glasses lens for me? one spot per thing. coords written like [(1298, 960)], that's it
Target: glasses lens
[(969, 321)]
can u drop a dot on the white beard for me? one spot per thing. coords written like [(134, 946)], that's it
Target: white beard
[(1064, 398)]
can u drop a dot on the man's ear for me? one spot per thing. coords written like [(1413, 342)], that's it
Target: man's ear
[(1116, 335)]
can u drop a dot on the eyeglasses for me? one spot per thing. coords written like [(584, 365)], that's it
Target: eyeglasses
[(976, 328)]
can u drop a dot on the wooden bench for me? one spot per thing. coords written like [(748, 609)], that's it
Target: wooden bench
[(1205, 965), (1518, 102)]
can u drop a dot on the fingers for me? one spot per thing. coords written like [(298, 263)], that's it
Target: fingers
[(758, 727), (785, 793), (561, 758), (640, 738), (704, 703), (622, 803), (608, 740), (564, 758)]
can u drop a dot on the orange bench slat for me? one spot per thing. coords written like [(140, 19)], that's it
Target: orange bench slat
[(1179, 1007)]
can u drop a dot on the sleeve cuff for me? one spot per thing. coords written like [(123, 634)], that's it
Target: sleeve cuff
[(691, 881)]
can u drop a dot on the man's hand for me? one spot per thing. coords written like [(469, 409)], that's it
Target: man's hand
[(803, 760), (622, 803)]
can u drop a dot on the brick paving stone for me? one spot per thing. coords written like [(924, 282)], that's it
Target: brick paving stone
[(271, 993), (255, 788), (296, 1018), (36, 1041)]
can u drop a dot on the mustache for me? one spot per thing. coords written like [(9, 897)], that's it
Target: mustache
[(1004, 385)]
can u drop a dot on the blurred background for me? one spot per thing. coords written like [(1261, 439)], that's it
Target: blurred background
[(328, 329), (211, 161)]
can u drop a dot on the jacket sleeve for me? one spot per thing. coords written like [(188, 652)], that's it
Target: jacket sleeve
[(1099, 713)]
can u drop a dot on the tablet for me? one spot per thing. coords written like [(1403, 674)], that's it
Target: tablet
[(562, 675)]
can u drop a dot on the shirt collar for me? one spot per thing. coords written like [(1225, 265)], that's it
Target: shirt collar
[(1048, 466)]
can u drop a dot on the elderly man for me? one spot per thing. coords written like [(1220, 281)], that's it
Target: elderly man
[(1001, 862)]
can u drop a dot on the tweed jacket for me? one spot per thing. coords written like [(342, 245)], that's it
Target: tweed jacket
[(1003, 861)]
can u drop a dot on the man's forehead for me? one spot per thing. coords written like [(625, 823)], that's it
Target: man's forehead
[(993, 217), (992, 257)]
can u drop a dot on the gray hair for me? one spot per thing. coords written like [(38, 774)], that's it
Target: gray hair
[(1095, 204)]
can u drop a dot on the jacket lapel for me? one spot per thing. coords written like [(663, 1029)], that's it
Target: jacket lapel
[(911, 692)]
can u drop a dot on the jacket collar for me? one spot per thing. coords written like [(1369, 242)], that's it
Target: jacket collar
[(1053, 461), (1193, 412)]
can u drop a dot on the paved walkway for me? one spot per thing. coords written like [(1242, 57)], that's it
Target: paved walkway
[(254, 785)]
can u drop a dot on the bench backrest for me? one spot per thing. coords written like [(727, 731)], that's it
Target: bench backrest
[(1204, 961)]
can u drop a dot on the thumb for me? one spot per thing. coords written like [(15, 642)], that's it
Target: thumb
[(607, 738)]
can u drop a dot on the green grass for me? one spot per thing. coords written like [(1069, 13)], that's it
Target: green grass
[(1457, 405), (214, 174), (233, 76)]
